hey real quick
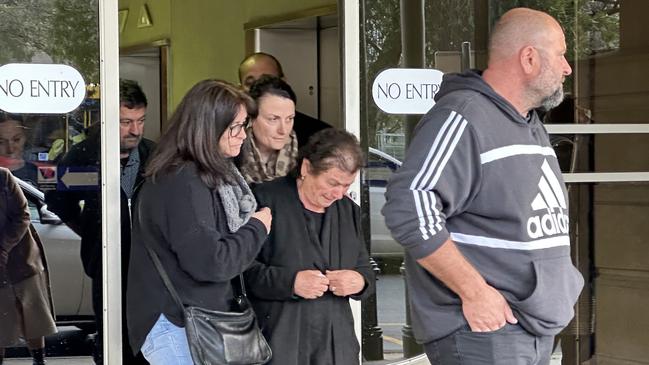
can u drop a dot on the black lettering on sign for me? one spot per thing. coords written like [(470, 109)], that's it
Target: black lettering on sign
[(392, 91), (421, 91), (33, 86), (64, 88), (68, 85), (411, 90), (53, 88), (14, 88), (43, 87)]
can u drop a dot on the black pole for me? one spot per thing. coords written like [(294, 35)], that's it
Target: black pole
[(410, 346), (372, 334), (413, 46)]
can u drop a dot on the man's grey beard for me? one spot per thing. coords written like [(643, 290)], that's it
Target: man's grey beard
[(553, 100)]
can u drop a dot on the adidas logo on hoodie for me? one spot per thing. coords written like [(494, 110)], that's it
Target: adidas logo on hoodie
[(551, 204)]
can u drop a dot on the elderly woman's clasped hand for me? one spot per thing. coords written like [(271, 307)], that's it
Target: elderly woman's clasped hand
[(345, 282), (312, 284)]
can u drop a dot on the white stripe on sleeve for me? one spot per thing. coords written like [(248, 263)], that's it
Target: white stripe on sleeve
[(422, 185)]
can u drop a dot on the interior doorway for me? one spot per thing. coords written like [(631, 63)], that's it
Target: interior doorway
[(308, 49), (147, 65)]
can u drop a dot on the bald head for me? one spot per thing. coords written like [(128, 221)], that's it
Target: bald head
[(527, 64), (519, 28), (257, 65)]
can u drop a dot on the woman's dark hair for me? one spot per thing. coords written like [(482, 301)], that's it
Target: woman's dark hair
[(270, 85), (195, 128), (4, 117), (331, 148)]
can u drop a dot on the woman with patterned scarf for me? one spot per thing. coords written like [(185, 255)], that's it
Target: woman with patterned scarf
[(270, 150)]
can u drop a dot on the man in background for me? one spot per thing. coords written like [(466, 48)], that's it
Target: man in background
[(81, 209)]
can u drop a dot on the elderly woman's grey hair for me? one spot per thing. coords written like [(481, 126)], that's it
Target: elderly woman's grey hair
[(331, 148)]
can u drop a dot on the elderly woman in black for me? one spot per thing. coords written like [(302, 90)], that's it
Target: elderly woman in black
[(198, 215), (314, 259)]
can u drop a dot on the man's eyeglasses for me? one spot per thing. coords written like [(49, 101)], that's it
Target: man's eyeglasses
[(236, 129)]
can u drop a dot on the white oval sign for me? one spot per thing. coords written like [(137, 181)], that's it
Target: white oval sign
[(406, 90), (40, 88)]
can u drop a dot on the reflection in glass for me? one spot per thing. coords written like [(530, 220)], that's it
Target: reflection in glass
[(49, 32), (25, 298), (13, 139)]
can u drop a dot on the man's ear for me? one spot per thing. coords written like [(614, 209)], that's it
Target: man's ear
[(529, 59)]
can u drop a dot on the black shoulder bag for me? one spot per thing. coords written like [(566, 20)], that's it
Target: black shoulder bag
[(220, 338)]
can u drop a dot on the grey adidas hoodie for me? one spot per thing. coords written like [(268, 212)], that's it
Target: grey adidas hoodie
[(479, 173)]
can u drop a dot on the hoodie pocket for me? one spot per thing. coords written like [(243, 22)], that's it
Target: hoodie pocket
[(550, 306)]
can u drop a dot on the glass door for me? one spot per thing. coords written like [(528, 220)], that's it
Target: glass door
[(54, 96), (599, 134)]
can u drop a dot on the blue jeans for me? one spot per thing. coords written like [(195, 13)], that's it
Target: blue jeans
[(166, 344), (510, 345)]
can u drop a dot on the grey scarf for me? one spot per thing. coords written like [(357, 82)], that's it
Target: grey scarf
[(238, 202)]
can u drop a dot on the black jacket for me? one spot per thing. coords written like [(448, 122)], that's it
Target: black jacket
[(305, 126), (299, 329), (66, 203), (184, 222)]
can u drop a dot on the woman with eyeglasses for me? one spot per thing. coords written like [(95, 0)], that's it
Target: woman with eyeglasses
[(271, 150), (196, 212)]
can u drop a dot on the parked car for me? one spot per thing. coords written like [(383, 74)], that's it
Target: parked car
[(71, 288), (380, 166)]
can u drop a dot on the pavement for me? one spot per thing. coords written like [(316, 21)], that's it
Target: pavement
[(391, 318), (53, 361)]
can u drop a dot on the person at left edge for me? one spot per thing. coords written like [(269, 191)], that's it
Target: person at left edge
[(26, 310), (196, 212), (86, 220)]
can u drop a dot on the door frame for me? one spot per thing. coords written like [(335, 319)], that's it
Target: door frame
[(110, 182)]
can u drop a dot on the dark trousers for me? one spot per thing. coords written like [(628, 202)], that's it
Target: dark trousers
[(510, 345), (97, 304)]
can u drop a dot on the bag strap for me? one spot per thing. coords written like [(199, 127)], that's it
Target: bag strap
[(170, 287), (164, 276), (243, 286)]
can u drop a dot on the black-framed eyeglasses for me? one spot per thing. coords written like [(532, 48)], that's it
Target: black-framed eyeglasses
[(236, 129)]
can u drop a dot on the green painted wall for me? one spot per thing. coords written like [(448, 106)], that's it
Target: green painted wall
[(159, 11), (206, 36), (256, 9), (207, 42)]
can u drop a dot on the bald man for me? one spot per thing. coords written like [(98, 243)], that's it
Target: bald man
[(481, 207), (260, 63)]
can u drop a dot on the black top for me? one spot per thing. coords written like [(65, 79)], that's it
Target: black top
[(305, 126), (183, 221), (314, 221)]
